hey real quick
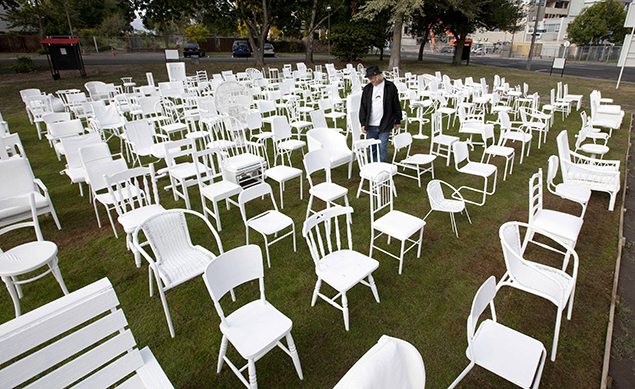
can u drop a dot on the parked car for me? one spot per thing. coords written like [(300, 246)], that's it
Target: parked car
[(268, 50), (191, 49), (241, 49)]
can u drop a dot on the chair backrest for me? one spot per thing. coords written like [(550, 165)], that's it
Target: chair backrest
[(401, 141), (53, 117), (98, 163), (563, 151), (133, 189), (391, 363), (381, 194), (461, 153), (552, 170), (232, 269), (68, 341), (59, 130), (16, 171), (254, 120), (182, 148), (108, 116), (25, 93), (483, 298), (150, 105), (11, 146), (139, 133), (356, 126), (322, 232), (434, 189), (176, 71), (72, 145), (315, 161), (535, 195), (18, 203), (260, 190), (281, 128), (205, 165), (318, 119)]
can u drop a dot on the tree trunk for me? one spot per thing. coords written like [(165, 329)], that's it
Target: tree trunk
[(308, 56), (381, 53), (395, 49), (458, 52), (424, 40)]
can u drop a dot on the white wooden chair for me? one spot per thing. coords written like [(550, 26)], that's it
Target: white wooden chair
[(327, 191), (419, 163), (74, 168), (284, 145), (337, 264), (391, 363), (440, 143), (271, 223), (439, 202), (509, 354), (29, 257), (255, 328), (515, 131), (575, 193), (485, 171), (175, 258), (404, 227), (181, 167), (367, 155), (554, 284), (70, 340), (497, 149)]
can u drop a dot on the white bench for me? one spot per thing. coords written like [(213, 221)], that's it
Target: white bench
[(79, 340)]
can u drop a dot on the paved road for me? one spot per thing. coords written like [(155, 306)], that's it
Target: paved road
[(580, 69)]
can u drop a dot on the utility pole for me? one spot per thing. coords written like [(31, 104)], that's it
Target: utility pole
[(533, 35), (328, 32)]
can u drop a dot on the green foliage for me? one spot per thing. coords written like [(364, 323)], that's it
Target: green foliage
[(288, 46), (113, 25), (23, 65), (599, 22), (351, 41), (196, 33)]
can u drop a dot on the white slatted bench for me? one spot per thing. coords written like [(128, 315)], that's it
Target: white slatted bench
[(79, 340)]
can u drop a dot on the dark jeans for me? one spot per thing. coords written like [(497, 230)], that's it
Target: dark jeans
[(372, 132)]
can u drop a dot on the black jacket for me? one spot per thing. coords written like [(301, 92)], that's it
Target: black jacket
[(392, 108)]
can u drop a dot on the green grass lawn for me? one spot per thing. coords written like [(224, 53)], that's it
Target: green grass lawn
[(427, 305)]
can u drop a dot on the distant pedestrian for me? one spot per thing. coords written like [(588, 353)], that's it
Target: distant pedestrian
[(380, 110)]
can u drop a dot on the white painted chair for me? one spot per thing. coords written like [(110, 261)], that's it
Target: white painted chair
[(595, 149), (441, 144), (337, 264), (181, 167), (367, 155), (144, 141), (11, 147), (17, 172), (439, 202), (136, 198), (74, 168), (485, 171), (284, 145), (575, 193), (600, 175), (388, 222), (532, 123), (498, 149), (63, 129), (334, 143), (391, 363), (509, 354), (563, 225), (327, 191), (29, 257), (419, 163), (175, 258), (70, 340), (515, 131), (271, 223), (554, 284), (605, 115), (255, 328)]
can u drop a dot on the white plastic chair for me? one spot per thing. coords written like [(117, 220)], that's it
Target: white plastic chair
[(485, 171), (282, 137), (144, 141), (255, 328), (135, 199), (74, 168), (17, 172), (181, 167), (270, 223), (420, 163), (404, 227), (319, 120), (327, 191), (337, 264), (515, 132), (509, 354), (575, 193), (553, 284), (175, 258), (497, 149), (11, 147), (28, 257), (440, 203), (334, 143), (391, 363), (441, 144), (60, 130), (367, 155), (563, 225)]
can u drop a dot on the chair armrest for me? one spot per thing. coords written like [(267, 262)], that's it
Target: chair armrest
[(151, 372), (594, 162), (40, 185)]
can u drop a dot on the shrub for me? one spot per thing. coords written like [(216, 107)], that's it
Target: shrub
[(351, 40), (288, 46), (24, 65)]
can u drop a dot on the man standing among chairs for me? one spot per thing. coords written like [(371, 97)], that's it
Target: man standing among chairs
[(380, 110)]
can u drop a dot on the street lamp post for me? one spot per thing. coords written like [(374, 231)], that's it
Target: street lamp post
[(533, 36), (328, 32)]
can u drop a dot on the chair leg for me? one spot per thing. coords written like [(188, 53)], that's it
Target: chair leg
[(294, 355), (14, 294), (359, 188), (54, 214), (556, 335), (164, 301), (308, 207), (420, 243), (401, 253), (251, 370), (345, 310), (316, 290), (58, 275), (267, 250), (461, 376), (221, 354), (373, 287)]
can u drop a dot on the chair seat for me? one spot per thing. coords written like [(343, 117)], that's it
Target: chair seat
[(518, 136), (576, 193), (282, 173), (174, 127), (446, 110), (591, 148), (500, 151), (255, 327), (128, 193), (76, 174), (446, 140), (270, 223), (263, 135), (328, 191), (419, 159), (449, 205), (185, 170), (130, 220), (291, 144), (399, 225), (371, 170), (220, 190), (184, 264), (500, 108), (478, 169), (334, 115), (26, 257), (506, 352), (560, 224), (301, 124), (344, 269)]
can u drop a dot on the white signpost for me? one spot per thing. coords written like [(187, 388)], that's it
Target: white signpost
[(627, 55)]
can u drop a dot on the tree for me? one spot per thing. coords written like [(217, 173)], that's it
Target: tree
[(316, 17), (196, 33), (425, 21), (600, 22), (352, 40), (400, 11)]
